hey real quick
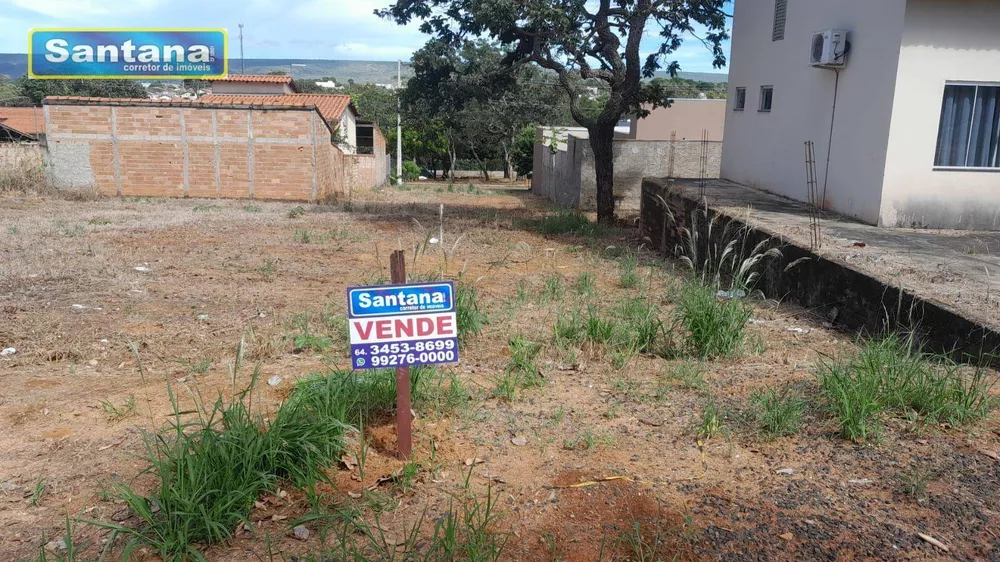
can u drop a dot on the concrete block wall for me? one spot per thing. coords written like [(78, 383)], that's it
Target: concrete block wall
[(191, 151), (564, 169)]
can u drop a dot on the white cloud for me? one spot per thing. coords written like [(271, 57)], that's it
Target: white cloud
[(73, 9)]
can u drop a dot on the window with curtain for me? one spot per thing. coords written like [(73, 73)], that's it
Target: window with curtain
[(969, 133)]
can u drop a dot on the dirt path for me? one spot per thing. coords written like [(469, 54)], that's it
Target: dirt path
[(183, 281)]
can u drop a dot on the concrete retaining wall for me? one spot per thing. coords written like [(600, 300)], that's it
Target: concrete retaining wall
[(564, 166), (853, 299)]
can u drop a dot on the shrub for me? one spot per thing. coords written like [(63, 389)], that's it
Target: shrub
[(214, 461), (894, 376), (714, 327), (469, 317), (568, 221), (411, 170), (777, 414)]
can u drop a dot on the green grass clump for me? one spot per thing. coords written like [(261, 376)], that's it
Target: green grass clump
[(206, 208), (467, 313), (522, 369), (296, 212), (304, 339), (777, 414), (715, 327), (628, 274), (893, 376), (215, 460), (554, 289), (569, 222), (585, 285), (711, 423), (689, 375)]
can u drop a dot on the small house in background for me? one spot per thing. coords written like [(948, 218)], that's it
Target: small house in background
[(901, 99), (683, 120), (21, 124), (283, 145), (254, 84)]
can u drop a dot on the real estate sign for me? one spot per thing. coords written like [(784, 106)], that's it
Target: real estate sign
[(128, 53), (402, 325)]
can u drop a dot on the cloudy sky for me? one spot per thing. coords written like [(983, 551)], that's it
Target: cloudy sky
[(326, 29)]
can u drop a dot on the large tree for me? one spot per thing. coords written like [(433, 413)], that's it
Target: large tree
[(583, 39), (482, 104)]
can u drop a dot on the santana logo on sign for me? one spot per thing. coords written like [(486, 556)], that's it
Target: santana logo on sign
[(127, 53), (400, 299)]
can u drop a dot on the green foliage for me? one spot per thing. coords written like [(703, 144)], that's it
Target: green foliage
[(37, 90), (893, 376), (214, 461), (777, 414), (410, 170), (688, 374), (304, 339), (588, 440), (37, 492), (711, 423), (206, 208), (467, 313), (914, 482), (521, 371), (628, 275), (117, 413), (568, 221), (296, 212), (554, 289), (585, 285), (714, 327)]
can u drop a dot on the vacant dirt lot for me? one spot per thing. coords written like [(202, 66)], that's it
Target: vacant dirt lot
[(183, 280)]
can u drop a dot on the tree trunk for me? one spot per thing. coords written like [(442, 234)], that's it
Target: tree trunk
[(508, 160), (451, 160), (602, 137)]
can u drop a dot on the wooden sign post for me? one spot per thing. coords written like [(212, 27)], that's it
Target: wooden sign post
[(404, 435)]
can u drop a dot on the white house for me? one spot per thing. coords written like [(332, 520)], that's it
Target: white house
[(909, 94)]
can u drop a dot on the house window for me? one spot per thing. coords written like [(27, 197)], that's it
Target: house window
[(780, 14), (970, 127), (741, 99), (766, 97)]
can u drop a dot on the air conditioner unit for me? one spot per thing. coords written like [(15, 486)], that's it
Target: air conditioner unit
[(829, 48)]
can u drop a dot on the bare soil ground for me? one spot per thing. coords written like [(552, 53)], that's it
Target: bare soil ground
[(72, 298)]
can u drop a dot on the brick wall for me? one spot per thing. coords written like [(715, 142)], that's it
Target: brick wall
[(192, 151), (368, 170)]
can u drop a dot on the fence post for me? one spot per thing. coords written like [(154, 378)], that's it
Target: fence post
[(404, 437)]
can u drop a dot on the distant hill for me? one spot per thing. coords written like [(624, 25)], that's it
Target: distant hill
[(362, 72)]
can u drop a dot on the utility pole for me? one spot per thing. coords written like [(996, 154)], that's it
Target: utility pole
[(243, 68), (399, 124)]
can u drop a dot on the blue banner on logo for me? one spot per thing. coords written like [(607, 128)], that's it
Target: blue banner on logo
[(388, 300), (128, 53)]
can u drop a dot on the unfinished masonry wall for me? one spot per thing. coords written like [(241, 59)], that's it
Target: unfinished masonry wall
[(564, 169), (191, 151)]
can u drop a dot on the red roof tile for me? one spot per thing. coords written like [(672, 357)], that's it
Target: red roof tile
[(330, 106), (256, 78), (24, 120)]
